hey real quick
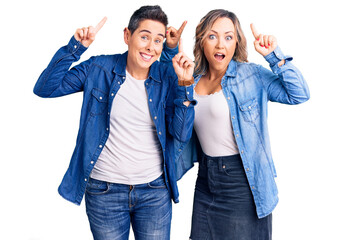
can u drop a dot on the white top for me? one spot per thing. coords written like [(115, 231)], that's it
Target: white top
[(213, 126), (132, 153)]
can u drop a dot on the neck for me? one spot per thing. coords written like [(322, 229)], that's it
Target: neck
[(215, 75), (136, 72)]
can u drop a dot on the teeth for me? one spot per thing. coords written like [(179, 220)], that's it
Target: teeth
[(146, 56), (219, 54)]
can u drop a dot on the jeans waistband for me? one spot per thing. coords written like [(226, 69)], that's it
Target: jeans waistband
[(206, 160)]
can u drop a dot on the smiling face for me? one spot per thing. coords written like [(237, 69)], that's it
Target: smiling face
[(219, 44), (144, 47)]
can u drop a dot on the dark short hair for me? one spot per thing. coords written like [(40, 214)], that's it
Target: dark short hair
[(147, 13)]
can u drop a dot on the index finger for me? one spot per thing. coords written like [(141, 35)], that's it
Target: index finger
[(254, 31), (180, 45), (100, 24), (182, 27)]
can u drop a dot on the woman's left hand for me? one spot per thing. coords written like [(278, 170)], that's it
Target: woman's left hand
[(264, 44), (183, 65)]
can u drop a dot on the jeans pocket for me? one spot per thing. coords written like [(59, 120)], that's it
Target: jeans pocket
[(158, 183), (97, 187)]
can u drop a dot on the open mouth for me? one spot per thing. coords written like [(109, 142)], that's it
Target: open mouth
[(146, 57), (219, 56)]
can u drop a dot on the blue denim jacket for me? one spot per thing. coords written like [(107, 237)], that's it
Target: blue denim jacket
[(100, 78), (248, 88)]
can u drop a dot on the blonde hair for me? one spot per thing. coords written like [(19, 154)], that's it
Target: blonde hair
[(240, 55)]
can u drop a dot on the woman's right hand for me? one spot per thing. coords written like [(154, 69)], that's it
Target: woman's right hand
[(86, 35)]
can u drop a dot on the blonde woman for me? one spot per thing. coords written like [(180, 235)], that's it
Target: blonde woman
[(235, 191)]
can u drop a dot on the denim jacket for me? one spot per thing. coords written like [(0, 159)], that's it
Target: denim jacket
[(247, 88), (100, 78)]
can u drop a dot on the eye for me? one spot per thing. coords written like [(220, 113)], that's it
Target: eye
[(228, 37), (158, 41), (211, 36), (144, 37)]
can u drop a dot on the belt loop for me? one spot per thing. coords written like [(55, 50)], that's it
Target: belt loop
[(220, 164)]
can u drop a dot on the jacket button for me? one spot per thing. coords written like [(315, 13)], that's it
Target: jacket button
[(155, 117), (159, 133)]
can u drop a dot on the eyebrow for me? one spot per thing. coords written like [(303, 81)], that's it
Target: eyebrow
[(144, 30), (224, 33)]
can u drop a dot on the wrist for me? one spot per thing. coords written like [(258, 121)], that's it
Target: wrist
[(186, 82)]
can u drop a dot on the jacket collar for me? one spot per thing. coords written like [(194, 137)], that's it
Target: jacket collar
[(120, 68), (231, 70)]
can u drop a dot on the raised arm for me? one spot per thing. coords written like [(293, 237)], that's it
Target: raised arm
[(57, 80), (286, 83), (172, 39)]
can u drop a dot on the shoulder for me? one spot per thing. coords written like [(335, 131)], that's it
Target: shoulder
[(245, 69)]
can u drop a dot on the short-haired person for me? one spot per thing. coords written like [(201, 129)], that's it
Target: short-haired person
[(131, 104), (235, 191)]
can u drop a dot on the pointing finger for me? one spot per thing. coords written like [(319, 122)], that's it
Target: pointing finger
[(180, 45), (182, 27), (254, 31), (100, 24)]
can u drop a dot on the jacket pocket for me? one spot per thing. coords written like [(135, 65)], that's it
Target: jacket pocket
[(250, 110), (98, 102)]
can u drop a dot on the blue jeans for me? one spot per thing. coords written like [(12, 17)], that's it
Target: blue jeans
[(112, 207), (223, 207)]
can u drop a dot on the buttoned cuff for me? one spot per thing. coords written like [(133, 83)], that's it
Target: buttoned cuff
[(185, 94), (75, 47), (276, 56)]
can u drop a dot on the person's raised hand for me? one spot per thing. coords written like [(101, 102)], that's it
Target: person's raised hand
[(264, 44), (87, 35), (173, 35), (184, 67)]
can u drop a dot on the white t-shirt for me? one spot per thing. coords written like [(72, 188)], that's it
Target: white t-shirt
[(132, 153), (212, 123)]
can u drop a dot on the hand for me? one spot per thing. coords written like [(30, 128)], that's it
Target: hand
[(173, 36), (264, 44), (183, 66), (87, 35)]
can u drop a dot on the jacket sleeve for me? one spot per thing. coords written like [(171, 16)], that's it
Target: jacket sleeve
[(180, 118), (285, 84), (57, 80), (168, 53)]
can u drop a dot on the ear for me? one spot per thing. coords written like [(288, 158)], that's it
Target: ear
[(127, 35)]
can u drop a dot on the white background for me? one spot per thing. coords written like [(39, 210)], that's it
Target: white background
[(38, 135)]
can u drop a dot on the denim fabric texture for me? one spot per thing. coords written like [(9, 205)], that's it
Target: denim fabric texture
[(100, 78), (111, 207), (248, 88), (223, 206)]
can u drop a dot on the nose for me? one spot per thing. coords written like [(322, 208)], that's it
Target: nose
[(220, 43), (150, 46)]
